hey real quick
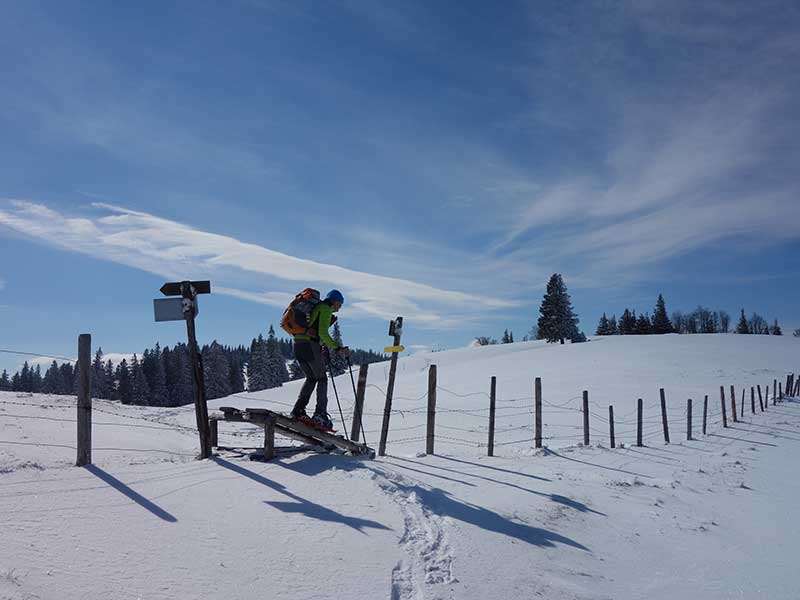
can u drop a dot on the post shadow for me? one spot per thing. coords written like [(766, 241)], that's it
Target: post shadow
[(300, 505), (131, 494)]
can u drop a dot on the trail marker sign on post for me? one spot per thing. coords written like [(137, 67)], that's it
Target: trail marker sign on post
[(185, 308)]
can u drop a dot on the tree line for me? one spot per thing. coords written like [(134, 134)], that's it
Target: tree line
[(162, 377), (700, 320)]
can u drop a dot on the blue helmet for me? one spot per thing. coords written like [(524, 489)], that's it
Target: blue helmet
[(335, 296)]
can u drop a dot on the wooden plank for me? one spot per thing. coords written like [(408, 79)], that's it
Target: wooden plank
[(358, 409)]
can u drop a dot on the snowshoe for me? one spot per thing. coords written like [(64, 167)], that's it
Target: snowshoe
[(322, 421)]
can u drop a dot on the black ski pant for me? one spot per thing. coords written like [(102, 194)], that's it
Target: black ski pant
[(309, 355)]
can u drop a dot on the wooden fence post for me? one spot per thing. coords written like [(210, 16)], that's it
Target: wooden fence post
[(780, 392), (743, 391), (639, 412), (213, 428), (760, 401), (689, 419), (733, 404), (269, 439), (787, 388), (774, 392), (705, 413), (585, 418), (753, 399), (611, 426), (358, 408), (538, 410), (431, 409), (722, 401), (664, 415), (84, 400), (766, 396), (492, 400)]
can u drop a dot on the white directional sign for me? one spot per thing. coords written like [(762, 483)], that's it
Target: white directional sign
[(171, 309)]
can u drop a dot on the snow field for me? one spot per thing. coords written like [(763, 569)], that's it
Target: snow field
[(711, 518)]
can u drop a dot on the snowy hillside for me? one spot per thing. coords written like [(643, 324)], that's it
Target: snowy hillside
[(710, 518)]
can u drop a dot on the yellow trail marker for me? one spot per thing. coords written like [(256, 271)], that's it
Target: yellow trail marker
[(393, 349)]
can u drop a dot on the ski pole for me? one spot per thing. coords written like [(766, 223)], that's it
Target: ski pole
[(335, 393), (355, 395)]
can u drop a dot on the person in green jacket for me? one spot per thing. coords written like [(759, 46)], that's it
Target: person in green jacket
[(309, 354)]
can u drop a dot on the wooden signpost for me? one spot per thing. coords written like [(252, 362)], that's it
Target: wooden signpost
[(166, 310), (395, 330)]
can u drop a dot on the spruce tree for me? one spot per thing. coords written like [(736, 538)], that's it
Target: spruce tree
[(236, 373), (612, 326), (276, 363), (661, 322), (99, 387), (25, 378), (124, 387), (16, 382), (510, 337), (627, 322), (643, 325), (5, 382), (603, 326), (776, 329), (67, 376), (158, 385), (216, 372), (742, 326), (52, 380), (140, 391), (257, 366), (111, 383), (557, 321)]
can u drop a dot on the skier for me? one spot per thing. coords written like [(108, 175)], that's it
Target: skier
[(312, 358)]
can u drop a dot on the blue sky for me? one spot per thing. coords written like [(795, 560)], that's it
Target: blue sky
[(435, 160)]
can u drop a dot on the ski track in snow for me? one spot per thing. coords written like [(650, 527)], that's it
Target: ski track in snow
[(428, 558)]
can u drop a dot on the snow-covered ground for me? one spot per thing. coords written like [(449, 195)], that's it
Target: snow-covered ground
[(710, 518)]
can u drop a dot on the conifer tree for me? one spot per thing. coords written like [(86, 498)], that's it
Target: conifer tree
[(140, 391), (5, 382), (52, 384), (16, 382), (216, 372), (67, 376), (557, 321), (99, 388), (25, 378), (158, 381), (36, 379), (603, 326), (276, 363), (627, 323), (612, 326), (776, 329), (643, 325), (111, 383), (123, 377), (236, 374), (257, 366), (742, 326), (661, 323)]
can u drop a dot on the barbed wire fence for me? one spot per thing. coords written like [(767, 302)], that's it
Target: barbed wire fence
[(493, 425)]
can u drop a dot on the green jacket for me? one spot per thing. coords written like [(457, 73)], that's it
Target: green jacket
[(321, 321)]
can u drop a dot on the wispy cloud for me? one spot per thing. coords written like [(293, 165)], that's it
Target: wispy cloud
[(177, 251)]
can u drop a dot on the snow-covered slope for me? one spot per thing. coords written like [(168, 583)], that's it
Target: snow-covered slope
[(710, 518)]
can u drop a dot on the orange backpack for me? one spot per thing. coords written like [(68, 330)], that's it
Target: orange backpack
[(296, 318)]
